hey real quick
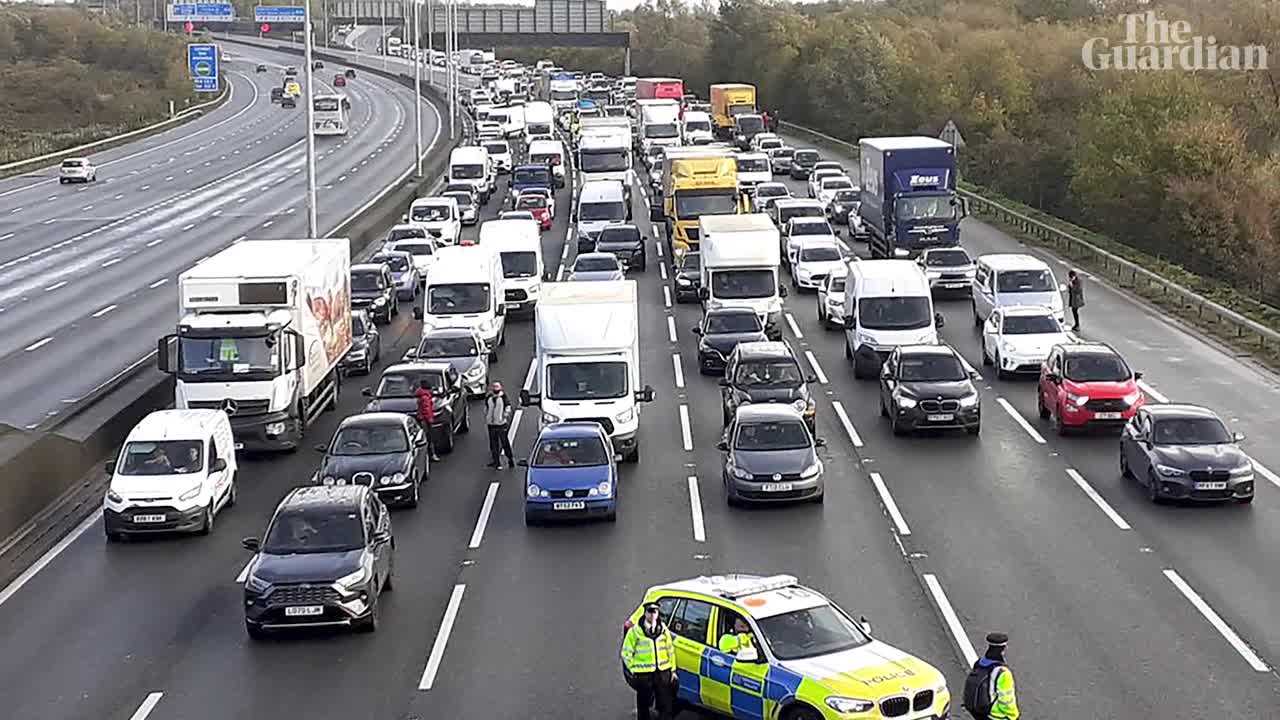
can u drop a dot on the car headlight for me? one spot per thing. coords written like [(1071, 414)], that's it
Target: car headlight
[(328, 480), (1008, 348), (625, 416), (354, 580), (253, 583), (114, 496), (192, 493), (932, 274), (812, 471), (604, 488), (474, 372), (380, 301), (740, 473), (684, 282), (904, 401), (1133, 397), (969, 400), (1170, 471), (534, 491), (548, 418), (395, 479), (1078, 400), (849, 705)]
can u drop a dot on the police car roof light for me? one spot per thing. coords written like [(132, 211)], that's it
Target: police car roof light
[(775, 582)]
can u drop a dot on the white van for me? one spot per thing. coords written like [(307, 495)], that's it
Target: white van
[(539, 122), (549, 152), (697, 128), (519, 245), (887, 303), (472, 165), (464, 289), (1010, 279), (439, 216), (176, 472), (600, 203)]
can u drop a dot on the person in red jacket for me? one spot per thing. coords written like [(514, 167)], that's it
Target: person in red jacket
[(427, 413)]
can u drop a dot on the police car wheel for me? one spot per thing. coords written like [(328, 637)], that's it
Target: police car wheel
[(801, 713)]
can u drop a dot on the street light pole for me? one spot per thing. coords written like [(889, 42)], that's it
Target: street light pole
[(312, 230), (417, 87), (452, 33), (431, 46)]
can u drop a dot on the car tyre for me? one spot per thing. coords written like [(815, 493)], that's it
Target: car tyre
[(1125, 471), (634, 457), (1153, 490), (206, 526), (1000, 373), (894, 425), (115, 537), (802, 713), (977, 321), (612, 516), (975, 430)]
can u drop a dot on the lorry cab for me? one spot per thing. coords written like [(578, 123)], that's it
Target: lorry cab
[(887, 303), (464, 289), (909, 197), (176, 471), (746, 127), (696, 128), (472, 166), (519, 247), (600, 203), (1003, 280), (606, 156), (696, 181)]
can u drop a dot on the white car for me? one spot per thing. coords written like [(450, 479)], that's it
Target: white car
[(77, 170), (831, 299), (817, 258), (817, 176), (500, 154), (949, 270), (422, 250), (1017, 340), (759, 140), (830, 186), (768, 190), (466, 206), (753, 169), (440, 217), (800, 230), (516, 215)]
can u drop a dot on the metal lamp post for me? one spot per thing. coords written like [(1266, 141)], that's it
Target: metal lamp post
[(417, 87), (312, 229)]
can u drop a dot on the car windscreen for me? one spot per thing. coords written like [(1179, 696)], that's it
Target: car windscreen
[(691, 263), (415, 248), (661, 130), (692, 205), (447, 347), (458, 299), (404, 383), (820, 253), (753, 165), (698, 126), (397, 263), (537, 128), (811, 228), (619, 235), (603, 161), (462, 198), (72, 163), (765, 436), (749, 123), (234, 355), (1190, 431), (736, 322), (520, 264), (314, 530), (1016, 281), (836, 184), (370, 439), (370, 281), (782, 152), (531, 176), (1031, 325), (768, 191), (845, 197), (429, 213), (810, 633), (563, 95), (806, 157), (1097, 368), (947, 258), (326, 104), (768, 372), (163, 457), (931, 368), (586, 263), (595, 211), (894, 313), (545, 159), (586, 381), (497, 148), (467, 172), (742, 284), (786, 214), (570, 452), (531, 202)]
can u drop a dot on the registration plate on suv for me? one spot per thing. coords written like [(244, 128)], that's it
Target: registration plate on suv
[(304, 611), (943, 417), (1213, 485)]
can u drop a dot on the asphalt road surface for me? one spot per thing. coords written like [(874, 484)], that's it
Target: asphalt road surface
[(87, 272), (1116, 609)]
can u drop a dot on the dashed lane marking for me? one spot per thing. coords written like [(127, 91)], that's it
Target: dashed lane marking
[(951, 618), (890, 505), (1097, 499), (695, 509), (482, 522), (679, 369), (795, 329), (1017, 417), (686, 433), (442, 639), (1217, 622), (849, 429)]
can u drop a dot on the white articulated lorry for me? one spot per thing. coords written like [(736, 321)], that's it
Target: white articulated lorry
[(262, 328), (587, 347), (740, 256)]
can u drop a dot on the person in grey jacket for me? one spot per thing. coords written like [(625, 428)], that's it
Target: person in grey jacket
[(1075, 297), (497, 416)]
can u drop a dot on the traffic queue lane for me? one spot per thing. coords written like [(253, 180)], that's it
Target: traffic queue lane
[(92, 272)]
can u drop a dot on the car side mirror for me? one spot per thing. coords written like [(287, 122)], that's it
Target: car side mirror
[(819, 442), (811, 378), (646, 394), (321, 448), (110, 466), (865, 624), (938, 320), (522, 463), (408, 355), (975, 375), (526, 399), (782, 291), (723, 446), (1137, 375), (368, 392), (218, 465), (252, 544), (748, 654), (417, 312), (696, 331), (704, 293), (1238, 437)]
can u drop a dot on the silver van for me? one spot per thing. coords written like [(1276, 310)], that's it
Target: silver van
[(600, 203), (1012, 280)]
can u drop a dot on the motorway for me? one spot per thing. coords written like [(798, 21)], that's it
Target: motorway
[(87, 271), (1116, 609)]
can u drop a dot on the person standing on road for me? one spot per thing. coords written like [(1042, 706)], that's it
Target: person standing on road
[(648, 658), (497, 416), (1075, 298), (427, 414), (988, 690)]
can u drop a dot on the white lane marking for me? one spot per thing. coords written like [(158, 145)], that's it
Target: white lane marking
[(952, 620), (1264, 472), (1217, 622), (564, 252), (158, 283), (817, 369), (268, 223), (50, 221), (658, 246), (244, 571), (528, 376), (896, 515), (442, 639), (1097, 499), (1017, 417), (145, 187), (695, 507), (86, 208), (795, 329), (515, 425), (55, 286), (147, 706), (18, 582), (16, 210), (666, 296), (686, 434), (38, 344), (1152, 392), (679, 368), (155, 242), (482, 522), (112, 261), (847, 423), (560, 274), (6, 236), (188, 227), (103, 311), (671, 328), (662, 270)]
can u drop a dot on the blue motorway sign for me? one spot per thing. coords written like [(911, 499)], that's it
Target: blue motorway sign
[(280, 14), (202, 61), (201, 12)]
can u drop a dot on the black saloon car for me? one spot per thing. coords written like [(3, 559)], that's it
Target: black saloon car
[(366, 345), (802, 163), (325, 561), (396, 393), (374, 289), (843, 203), (770, 455), (1185, 452), (928, 387), (625, 243), (765, 372), (721, 331), (386, 451), (688, 277)]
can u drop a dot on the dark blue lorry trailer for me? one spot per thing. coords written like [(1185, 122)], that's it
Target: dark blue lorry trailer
[(909, 200)]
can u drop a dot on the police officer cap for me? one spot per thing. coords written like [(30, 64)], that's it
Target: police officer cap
[(997, 639), (650, 607)]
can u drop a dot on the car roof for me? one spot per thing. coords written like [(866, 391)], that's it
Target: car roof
[(449, 332), (571, 429), (1025, 311), (798, 202), (807, 219), (763, 412), (812, 241), (390, 252), (1013, 261), (1090, 348), (596, 256), (753, 595), (374, 418), (324, 495), (366, 267), (621, 226), (1180, 410), (417, 367), (175, 425), (924, 349), (731, 311), (763, 348)]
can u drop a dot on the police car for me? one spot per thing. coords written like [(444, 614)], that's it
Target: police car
[(808, 660)]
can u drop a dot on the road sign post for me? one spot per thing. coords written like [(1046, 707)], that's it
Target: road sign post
[(202, 61)]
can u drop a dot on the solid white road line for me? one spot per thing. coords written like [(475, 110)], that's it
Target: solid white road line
[(442, 639), (103, 311), (38, 344), (111, 262), (1017, 417), (515, 425), (1264, 472), (560, 274), (695, 507), (817, 369), (147, 706), (244, 571), (1217, 622), (158, 283), (1098, 499), (952, 620), (55, 286), (675, 364), (666, 296), (662, 270), (899, 522), (671, 329), (482, 522), (795, 329), (528, 376), (48, 557), (847, 423), (686, 434), (1152, 392)]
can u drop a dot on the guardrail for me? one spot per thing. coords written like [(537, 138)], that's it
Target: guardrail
[(1124, 272), (186, 114)]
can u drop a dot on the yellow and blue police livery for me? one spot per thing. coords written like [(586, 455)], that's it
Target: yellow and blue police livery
[(803, 659)]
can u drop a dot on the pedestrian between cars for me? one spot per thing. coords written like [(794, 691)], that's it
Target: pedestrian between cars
[(427, 414), (1075, 297), (497, 415)]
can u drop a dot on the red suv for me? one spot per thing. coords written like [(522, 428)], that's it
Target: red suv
[(1087, 385)]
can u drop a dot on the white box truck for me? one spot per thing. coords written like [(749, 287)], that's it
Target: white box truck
[(262, 328), (740, 258), (587, 347), (659, 123)]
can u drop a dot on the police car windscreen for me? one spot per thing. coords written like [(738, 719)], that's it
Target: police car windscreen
[(810, 633)]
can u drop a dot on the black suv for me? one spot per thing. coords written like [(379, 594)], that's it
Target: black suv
[(765, 372), (624, 242), (326, 559), (373, 288), (688, 276), (366, 344), (386, 451), (396, 393), (722, 330), (928, 387)]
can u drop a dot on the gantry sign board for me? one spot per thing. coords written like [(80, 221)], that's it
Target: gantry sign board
[(546, 16), (201, 12), (202, 61), (280, 14)]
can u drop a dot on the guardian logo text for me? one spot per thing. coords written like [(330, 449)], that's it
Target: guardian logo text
[(1151, 44)]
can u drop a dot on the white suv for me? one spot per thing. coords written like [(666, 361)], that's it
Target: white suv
[(77, 170)]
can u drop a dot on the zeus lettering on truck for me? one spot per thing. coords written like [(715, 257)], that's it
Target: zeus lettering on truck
[(909, 201)]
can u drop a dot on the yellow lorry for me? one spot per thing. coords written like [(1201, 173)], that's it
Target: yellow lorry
[(696, 181), (729, 100)]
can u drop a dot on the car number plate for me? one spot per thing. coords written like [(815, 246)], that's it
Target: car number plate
[(955, 285), (1107, 415), (304, 611), (1218, 485), (777, 487), (148, 518), (239, 446), (579, 505), (944, 417)]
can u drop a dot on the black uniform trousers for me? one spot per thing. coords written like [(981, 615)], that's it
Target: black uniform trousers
[(499, 444), (658, 689)]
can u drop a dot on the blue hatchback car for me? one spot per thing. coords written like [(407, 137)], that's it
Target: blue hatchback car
[(572, 474)]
